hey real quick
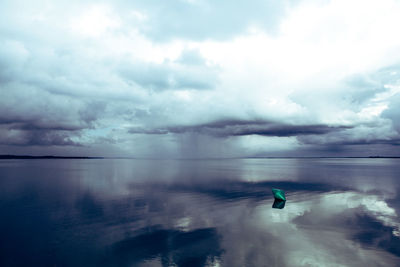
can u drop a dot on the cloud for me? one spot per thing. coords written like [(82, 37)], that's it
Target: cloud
[(191, 57), (95, 73), (204, 19), (36, 137), (225, 128), (359, 135), (393, 112), (188, 72)]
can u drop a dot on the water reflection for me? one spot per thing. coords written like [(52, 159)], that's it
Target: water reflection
[(278, 204), (199, 247), (199, 213)]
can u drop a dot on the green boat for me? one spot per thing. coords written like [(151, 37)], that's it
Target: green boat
[(278, 194)]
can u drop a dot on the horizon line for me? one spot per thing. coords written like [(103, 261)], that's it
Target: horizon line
[(11, 156)]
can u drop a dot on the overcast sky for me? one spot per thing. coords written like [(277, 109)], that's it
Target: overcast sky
[(200, 78)]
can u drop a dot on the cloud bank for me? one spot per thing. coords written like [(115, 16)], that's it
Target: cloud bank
[(200, 79)]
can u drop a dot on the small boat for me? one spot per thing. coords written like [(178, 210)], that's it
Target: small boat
[(278, 194)]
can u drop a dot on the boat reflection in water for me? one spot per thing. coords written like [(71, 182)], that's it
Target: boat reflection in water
[(279, 204), (199, 213)]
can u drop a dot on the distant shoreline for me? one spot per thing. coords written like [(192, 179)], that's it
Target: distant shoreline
[(344, 157), (255, 157), (44, 157)]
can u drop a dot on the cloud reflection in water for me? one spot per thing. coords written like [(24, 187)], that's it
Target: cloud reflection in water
[(112, 213)]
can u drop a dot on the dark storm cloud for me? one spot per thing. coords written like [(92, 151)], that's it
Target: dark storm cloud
[(225, 128), (45, 120), (47, 114), (91, 111), (47, 138), (344, 142), (38, 124), (357, 135), (36, 137)]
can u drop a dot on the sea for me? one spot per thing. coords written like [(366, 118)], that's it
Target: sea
[(216, 212)]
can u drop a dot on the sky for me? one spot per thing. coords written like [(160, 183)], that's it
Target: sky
[(200, 78)]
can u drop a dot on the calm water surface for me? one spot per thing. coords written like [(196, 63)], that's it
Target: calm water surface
[(123, 212)]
